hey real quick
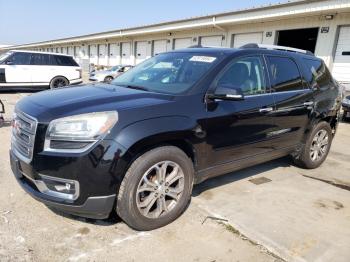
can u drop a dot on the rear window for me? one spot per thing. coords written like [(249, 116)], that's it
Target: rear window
[(316, 72), (285, 75), (63, 60)]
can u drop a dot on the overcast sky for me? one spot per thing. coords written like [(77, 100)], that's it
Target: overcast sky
[(25, 21)]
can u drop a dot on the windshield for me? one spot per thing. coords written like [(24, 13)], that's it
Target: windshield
[(4, 56), (115, 68), (171, 73)]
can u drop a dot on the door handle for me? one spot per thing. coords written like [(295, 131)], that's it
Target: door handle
[(265, 109), (308, 103)]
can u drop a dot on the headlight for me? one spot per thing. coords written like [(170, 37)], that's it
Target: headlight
[(346, 101), (78, 133)]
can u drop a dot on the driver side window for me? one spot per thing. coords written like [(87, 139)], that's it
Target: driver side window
[(246, 73)]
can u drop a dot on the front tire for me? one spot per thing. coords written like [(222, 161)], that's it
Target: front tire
[(156, 188), (316, 148), (58, 81)]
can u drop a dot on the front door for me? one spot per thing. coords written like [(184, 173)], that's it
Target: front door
[(240, 129), (18, 69), (293, 100)]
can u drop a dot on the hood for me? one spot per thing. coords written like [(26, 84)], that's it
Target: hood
[(51, 104)]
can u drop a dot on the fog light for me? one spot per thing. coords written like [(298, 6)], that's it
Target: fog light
[(58, 187)]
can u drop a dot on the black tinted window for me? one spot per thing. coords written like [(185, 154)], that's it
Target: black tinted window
[(64, 60), (284, 73), (246, 73), (316, 72), (40, 59), (20, 58)]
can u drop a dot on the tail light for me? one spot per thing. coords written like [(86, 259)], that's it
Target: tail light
[(80, 72)]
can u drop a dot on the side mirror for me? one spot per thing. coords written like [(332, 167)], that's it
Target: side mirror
[(9, 63), (227, 92)]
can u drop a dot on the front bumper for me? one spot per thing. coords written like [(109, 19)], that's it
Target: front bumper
[(346, 107), (96, 207)]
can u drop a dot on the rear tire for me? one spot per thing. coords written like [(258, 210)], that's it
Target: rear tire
[(316, 148), (156, 188), (58, 81), (108, 79)]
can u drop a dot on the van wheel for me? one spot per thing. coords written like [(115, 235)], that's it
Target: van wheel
[(108, 79), (156, 188), (316, 147), (58, 81)]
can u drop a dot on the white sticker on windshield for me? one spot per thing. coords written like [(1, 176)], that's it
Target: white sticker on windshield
[(204, 59)]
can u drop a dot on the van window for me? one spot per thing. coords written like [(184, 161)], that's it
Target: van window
[(316, 72), (61, 60), (285, 75), (20, 58), (246, 73)]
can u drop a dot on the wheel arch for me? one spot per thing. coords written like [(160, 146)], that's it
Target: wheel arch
[(59, 76), (145, 135)]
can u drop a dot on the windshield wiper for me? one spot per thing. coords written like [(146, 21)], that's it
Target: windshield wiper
[(135, 87)]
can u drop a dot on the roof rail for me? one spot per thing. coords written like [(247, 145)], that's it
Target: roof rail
[(277, 47)]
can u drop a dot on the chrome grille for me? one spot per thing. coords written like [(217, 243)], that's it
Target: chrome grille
[(23, 135)]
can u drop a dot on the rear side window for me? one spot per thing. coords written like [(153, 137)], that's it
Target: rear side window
[(63, 60), (285, 75), (40, 59), (316, 72), (20, 58)]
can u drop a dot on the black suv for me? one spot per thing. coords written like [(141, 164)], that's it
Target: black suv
[(137, 146)]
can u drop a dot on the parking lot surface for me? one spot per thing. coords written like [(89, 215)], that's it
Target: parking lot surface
[(269, 212)]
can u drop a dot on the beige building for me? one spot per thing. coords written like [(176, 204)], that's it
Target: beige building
[(322, 27)]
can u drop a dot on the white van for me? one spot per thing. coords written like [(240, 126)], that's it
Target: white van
[(29, 69)]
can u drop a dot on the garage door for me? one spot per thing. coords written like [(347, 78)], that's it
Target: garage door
[(182, 43), (85, 52), (159, 46), (71, 50), (126, 53), (102, 55), (242, 39), (341, 65), (215, 40), (114, 54), (77, 54), (141, 51), (93, 54)]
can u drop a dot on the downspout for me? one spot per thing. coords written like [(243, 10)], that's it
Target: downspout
[(217, 26)]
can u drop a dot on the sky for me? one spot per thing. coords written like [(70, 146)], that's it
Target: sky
[(28, 21)]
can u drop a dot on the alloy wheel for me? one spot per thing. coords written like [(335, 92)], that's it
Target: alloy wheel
[(160, 189), (319, 145)]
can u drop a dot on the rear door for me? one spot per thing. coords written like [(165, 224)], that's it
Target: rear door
[(293, 101), (41, 69), (240, 129)]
